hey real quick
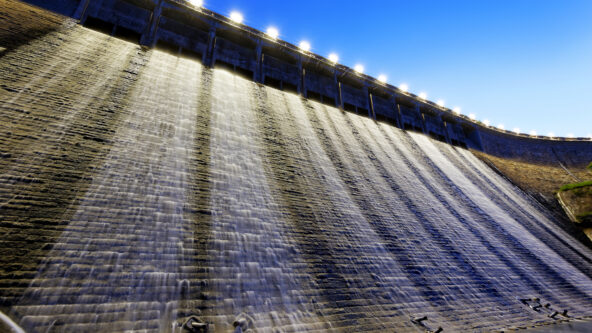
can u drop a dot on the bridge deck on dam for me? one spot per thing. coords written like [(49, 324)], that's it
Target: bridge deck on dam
[(140, 191)]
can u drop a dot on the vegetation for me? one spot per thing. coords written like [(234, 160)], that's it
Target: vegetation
[(575, 185), (584, 217), (589, 167)]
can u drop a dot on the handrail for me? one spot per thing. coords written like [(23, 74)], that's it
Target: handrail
[(14, 327)]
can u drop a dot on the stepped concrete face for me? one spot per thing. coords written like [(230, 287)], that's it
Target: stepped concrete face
[(142, 191)]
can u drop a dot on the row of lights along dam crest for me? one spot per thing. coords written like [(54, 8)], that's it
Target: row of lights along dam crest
[(305, 47)]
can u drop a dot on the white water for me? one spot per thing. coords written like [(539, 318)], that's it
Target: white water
[(512, 226), (379, 226), (251, 257), (121, 255)]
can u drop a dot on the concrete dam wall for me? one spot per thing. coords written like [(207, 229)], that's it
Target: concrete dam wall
[(142, 190)]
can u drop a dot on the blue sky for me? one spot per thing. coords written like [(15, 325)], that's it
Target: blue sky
[(522, 63)]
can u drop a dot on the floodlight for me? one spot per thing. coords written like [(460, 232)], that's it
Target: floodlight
[(304, 46), (236, 17), (334, 58), (273, 32)]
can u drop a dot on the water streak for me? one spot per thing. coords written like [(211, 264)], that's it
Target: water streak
[(252, 266), (117, 265)]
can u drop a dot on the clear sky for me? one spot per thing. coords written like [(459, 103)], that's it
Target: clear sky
[(522, 63)]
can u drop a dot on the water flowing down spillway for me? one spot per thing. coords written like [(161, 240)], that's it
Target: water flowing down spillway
[(140, 189)]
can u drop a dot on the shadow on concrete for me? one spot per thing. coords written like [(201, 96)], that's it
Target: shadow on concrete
[(22, 23)]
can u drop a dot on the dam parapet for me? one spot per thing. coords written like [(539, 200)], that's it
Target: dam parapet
[(186, 30)]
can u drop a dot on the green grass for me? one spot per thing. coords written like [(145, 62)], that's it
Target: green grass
[(575, 185), (584, 216)]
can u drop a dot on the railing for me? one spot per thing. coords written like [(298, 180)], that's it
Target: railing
[(14, 328)]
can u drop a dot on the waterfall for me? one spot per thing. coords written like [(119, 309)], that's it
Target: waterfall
[(117, 265), (252, 259), (141, 190)]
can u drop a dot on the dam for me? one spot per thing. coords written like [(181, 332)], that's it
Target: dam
[(144, 190)]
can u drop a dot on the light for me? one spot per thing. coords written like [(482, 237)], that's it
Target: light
[(236, 17), (440, 103), (334, 58), (382, 78), (472, 116), (359, 68), (456, 110), (403, 87), (486, 122), (590, 136), (423, 95), (304, 46), (551, 134), (196, 3), (273, 32), (501, 126), (533, 133), (570, 135), (516, 130)]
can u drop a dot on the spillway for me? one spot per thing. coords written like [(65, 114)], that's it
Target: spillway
[(141, 189)]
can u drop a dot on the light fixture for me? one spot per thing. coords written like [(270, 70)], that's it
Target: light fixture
[(423, 95), (196, 3), (359, 68), (334, 58), (272, 32), (304, 46), (516, 130), (486, 122), (382, 78), (533, 133), (456, 110), (501, 126), (440, 103), (236, 17), (403, 87)]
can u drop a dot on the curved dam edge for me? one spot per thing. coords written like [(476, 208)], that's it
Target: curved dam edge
[(209, 37)]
